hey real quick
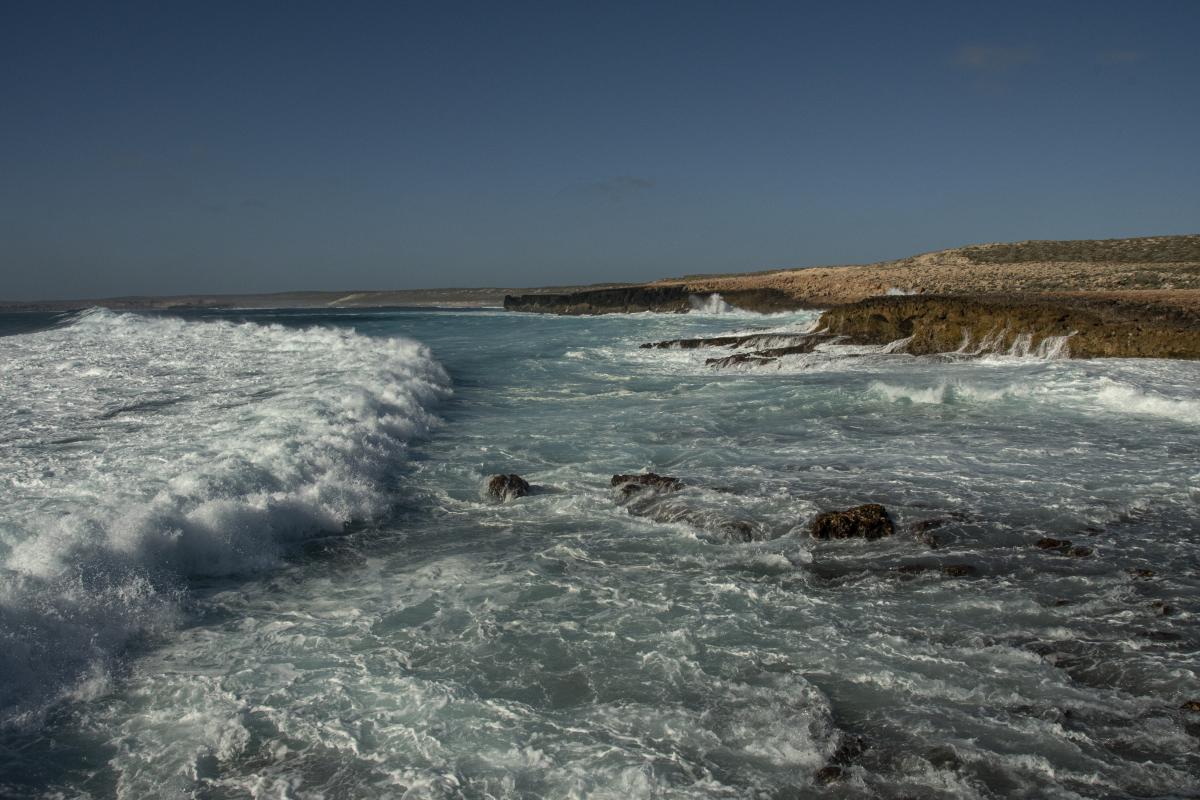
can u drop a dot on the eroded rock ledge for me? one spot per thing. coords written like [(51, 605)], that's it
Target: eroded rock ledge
[(1098, 328), (671, 299)]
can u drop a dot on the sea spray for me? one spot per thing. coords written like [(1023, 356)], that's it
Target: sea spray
[(146, 451)]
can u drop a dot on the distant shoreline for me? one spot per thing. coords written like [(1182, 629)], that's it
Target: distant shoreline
[(391, 298), (1135, 297)]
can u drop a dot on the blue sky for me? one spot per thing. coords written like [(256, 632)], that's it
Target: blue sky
[(224, 147)]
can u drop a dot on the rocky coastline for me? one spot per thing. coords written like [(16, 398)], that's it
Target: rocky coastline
[(1083, 327), (1117, 298), (903, 550)]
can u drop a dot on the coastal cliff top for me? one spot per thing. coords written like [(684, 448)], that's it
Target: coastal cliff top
[(1162, 264)]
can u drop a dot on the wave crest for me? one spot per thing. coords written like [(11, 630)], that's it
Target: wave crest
[(146, 451)]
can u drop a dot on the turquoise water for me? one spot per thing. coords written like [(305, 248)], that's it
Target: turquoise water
[(248, 555)]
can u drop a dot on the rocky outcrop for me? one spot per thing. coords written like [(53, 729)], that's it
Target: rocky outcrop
[(630, 485), (647, 495), (1096, 328), (756, 340), (849, 751), (507, 487), (1062, 546), (869, 521), (768, 346)]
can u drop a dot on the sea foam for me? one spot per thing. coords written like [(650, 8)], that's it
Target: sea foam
[(142, 452)]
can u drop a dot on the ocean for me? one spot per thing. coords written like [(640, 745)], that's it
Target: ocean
[(248, 554)]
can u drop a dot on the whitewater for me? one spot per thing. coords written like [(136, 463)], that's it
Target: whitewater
[(247, 554)]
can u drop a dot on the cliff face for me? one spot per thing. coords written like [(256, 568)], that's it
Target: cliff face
[(942, 324)]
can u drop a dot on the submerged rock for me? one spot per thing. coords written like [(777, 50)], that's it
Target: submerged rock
[(506, 487), (632, 484), (1049, 543), (1191, 705), (921, 531), (1162, 608), (929, 540), (922, 525), (829, 774), (959, 571), (849, 751), (869, 521), (645, 495)]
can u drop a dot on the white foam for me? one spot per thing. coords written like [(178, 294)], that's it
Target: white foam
[(1113, 395), (145, 451)]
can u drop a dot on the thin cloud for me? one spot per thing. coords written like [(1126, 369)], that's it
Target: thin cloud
[(1120, 57), (615, 189), (987, 59)]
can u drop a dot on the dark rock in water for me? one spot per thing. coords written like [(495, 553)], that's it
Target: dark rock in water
[(849, 751), (737, 358), (959, 571), (1191, 705), (778, 339), (1062, 602), (830, 774), (922, 525), (804, 344), (632, 484), (505, 487), (1080, 552), (929, 540), (911, 569), (1162, 608), (1142, 573), (1048, 543), (870, 521), (738, 531), (1162, 636)]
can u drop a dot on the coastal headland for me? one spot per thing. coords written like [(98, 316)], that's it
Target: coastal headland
[(1135, 297)]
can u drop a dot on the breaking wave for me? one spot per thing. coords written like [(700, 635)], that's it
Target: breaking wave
[(142, 452)]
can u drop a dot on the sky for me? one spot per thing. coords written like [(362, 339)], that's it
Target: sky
[(211, 147)]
